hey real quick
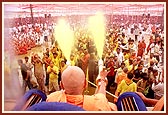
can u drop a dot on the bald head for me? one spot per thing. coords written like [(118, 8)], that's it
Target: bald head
[(73, 80)]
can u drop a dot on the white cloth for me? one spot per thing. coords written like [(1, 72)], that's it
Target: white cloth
[(119, 56), (158, 89), (152, 47), (156, 49)]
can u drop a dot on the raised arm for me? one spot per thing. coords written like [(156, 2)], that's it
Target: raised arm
[(149, 101), (101, 82)]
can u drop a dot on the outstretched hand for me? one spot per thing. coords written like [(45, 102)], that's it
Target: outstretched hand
[(102, 76)]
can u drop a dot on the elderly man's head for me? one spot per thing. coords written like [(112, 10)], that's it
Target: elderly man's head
[(73, 80)]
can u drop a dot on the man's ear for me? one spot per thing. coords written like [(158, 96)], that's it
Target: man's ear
[(85, 84), (61, 84)]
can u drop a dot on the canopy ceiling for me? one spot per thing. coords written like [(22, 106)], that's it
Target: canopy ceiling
[(86, 8)]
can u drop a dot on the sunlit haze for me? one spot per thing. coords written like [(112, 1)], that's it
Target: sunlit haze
[(97, 27)]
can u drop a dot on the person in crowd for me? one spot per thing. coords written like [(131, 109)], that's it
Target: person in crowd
[(126, 86), (150, 47), (111, 74), (150, 72), (152, 58), (39, 71), (126, 55), (79, 57), (72, 60), (47, 52), (137, 73), (158, 88), (27, 63), (132, 66), (156, 76), (141, 48), (56, 58), (136, 32), (148, 92), (73, 83), (85, 61), (131, 45), (53, 72), (119, 70), (26, 75), (122, 76), (133, 55), (30, 67), (141, 84), (46, 61), (63, 65), (116, 63), (156, 51), (119, 55)]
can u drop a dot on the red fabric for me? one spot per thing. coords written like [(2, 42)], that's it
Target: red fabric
[(148, 48), (153, 29), (111, 66), (85, 61), (22, 50), (37, 29), (141, 48)]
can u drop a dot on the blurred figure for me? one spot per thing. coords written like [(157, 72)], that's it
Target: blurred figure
[(85, 61), (26, 75), (92, 68), (137, 73), (150, 47), (122, 76), (46, 61), (119, 55), (32, 77), (148, 92), (119, 71), (111, 74), (141, 84), (158, 88), (53, 72), (72, 60), (38, 71), (141, 48), (47, 52), (55, 59)]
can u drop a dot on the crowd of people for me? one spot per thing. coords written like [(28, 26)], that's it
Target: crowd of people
[(133, 55), (28, 36)]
